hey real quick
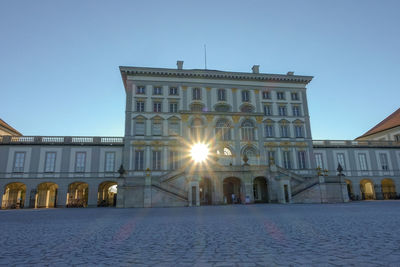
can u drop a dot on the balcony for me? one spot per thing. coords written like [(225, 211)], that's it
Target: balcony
[(62, 140)]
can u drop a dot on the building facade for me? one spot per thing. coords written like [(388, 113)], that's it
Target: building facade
[(255, 126)]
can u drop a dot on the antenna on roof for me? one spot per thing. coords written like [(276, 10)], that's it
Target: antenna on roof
[(205, 57)]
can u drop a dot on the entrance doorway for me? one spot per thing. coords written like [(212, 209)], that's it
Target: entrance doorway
[(14, 196), (107, 194), (367, 189), (205, 188), (232, 192), (260, 190), (46, 195), (77, 196)]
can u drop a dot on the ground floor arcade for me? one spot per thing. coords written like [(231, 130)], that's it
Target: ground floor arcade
[(372, 188)]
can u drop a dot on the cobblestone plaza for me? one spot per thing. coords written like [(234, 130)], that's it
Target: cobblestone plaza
[(357, 233)]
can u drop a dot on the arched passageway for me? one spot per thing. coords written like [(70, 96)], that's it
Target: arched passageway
[(13, 196), (350, 189), (260, 190), (107, 194), (232, 192), (46, 195), (388, 189), (205, 188), (77, 196), (367, 189)]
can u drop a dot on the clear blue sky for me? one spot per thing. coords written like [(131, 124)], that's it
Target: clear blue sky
[(59, 59)]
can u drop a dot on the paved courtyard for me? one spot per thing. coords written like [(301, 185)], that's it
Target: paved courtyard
[(359, 233)]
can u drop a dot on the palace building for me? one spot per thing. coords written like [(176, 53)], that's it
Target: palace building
[(203, 137)]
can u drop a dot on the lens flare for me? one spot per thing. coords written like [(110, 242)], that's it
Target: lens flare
[(199, 152)]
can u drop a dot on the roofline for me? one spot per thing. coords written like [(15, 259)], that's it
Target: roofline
[(10, 128), (366, 135)]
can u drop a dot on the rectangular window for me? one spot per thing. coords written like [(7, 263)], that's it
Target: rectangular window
[(269, 130), (156, 160), (50, 162), (266, 95), (284, 131), (271, 156), (340, 159), (295, 96), (280, 95), (196, 94), (221, 95), (80, 161), (19, 161), (286, 160), (140, 106), (282, 110), (139, 128), (245, 96), (296, 111), (109, 165), (173, 107), (302, 159), (139, 160), (384, 161), (140, 90), (157, 90), (363, 161), (298, 131), (157, 107), (174, 128), (397, 138), (173, 160), (157, 128), (173, 91), (318, 160), (267, 110)]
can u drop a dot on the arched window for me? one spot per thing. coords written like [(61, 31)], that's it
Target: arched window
[(196, 129), (246, 108), (223, 130), (247, 131), (227, 152)]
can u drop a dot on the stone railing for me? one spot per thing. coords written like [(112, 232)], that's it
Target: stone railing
[(354, 143), (61, 140)]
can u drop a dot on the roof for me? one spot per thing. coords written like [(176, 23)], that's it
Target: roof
[(390, 122), (4, 125)]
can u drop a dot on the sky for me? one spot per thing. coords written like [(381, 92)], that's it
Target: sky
[(59, 60)]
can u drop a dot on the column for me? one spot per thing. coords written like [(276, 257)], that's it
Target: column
[(235, 101), (378, 191), (184, 98), (147, 155), (62, 196), (92, 198), (147, 192)]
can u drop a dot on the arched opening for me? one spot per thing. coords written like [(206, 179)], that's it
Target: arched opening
[(349, 189), (388, 189), (251, 154), (367, 189), (223, 130), (77, 196), (232, 190), (260, 190), (247, 129), (107, 194), (205, 188), (14, 196), (46, 196)]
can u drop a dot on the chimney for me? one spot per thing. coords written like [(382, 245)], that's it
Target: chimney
[(290, 73), (256, 68), (179, 64)]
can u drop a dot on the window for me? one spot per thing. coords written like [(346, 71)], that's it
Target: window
[(271, 156), (157, 90), (247, 131), (110, 162), (223, 130), (363, 161), (340, 159), (173, 160), (286, 160), (157, 127), (384, 161), (50, 162), (19, 161), (139, 160), (196, 94), (295, 96), (397, 138), (139, 127), (221, 95), (245, 96), (284, 130), (173, 107), (156, 160), (174, 128), (280, 95), (296, 111), (246, 108), (157, 107), (298, 131), (302, 159), (267, 110), (318, 160), (140, 106), (266, 95), (140, 90), (282, 110), (173, 91), (197, 129), (80, 161), (222, 108), (227, 152), (269, 130), (196, 107)]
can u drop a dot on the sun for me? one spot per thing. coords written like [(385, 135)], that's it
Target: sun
[(199, 152)]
